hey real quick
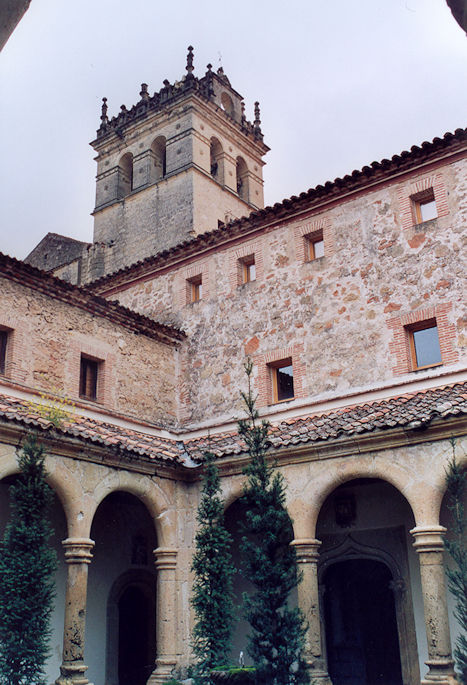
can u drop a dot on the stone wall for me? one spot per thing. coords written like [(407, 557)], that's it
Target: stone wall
[(137, 374), (340, 317)]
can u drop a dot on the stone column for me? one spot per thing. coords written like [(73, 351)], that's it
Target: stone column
[(78, 554), (429, 546), (308, 600), (166, 563)]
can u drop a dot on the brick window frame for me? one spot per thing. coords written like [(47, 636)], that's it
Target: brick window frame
[(402, 327), (412, 193), (239, 257), (18, 351), (185, 280), (267, 362), (305, 234), (99, 352)]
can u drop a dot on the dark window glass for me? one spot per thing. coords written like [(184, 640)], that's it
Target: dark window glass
[(3, 341), (426, 344), (284, 380), (88, 379)]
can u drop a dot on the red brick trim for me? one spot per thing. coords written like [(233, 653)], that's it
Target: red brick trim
[(252, 247), (264, 379), (316, 227), (400, 344), (100, 352), (407, 192), (17, 348), (183, 286)]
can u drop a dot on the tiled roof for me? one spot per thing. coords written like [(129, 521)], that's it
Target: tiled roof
[(376, 171), (124, 441), (409, 411), (41, 281)]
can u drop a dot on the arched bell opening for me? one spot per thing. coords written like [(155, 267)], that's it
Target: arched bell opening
[(125, 175)]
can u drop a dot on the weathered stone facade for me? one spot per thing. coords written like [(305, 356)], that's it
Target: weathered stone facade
[(331, 286)]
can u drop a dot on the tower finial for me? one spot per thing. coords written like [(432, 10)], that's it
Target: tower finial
[(257, 122), (104, 117), (144, 95), (189, 61)]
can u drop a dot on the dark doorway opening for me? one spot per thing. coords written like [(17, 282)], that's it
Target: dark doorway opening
[(133, 636), (361, 629)]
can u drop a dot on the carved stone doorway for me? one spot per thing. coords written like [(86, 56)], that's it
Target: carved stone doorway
[(361, 627)]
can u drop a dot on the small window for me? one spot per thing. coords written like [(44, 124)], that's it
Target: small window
[(195, 288), (314, 246), (248, 269), (424, 344), (282, 380), (424, 206), (88, 378), (3, 346)]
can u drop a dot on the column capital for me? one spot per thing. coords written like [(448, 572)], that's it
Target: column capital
[(78, 550), (428, 538), (307, 550), (165, 558)]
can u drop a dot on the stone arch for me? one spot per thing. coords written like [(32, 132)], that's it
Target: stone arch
[(242, 179), (227, 104), (158, 158), (333, 478), (125, 175), (216, 159), (149, 493), (64, 485), (366, 518)]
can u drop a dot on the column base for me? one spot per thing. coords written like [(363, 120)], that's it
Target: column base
[(73, 674), (162, 672), (440, 671)]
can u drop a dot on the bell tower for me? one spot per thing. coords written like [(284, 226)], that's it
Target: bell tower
[(178, 163)]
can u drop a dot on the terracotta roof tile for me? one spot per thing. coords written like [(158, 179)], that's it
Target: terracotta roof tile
[(406, 411)]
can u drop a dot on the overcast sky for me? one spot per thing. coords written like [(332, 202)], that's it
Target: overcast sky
[(341, 83)]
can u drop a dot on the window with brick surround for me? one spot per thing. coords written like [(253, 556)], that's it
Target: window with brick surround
[(195, 288), (424, 206), (282, 380), (314, 246), (3, 350), (88, 378), (247, 269), (424, 344)]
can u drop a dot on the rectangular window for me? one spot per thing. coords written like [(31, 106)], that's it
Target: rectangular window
[(314, 245), (282, 380), (424, 344), (248, 269), (195, 288), (3, 345), (88, 378), (424, 206)]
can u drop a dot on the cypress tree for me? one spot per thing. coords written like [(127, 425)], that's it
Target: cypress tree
[(456, 547), (212, 597), (278, 631), (27, 567)]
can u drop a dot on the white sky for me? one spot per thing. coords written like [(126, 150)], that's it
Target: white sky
[(341, 83)]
